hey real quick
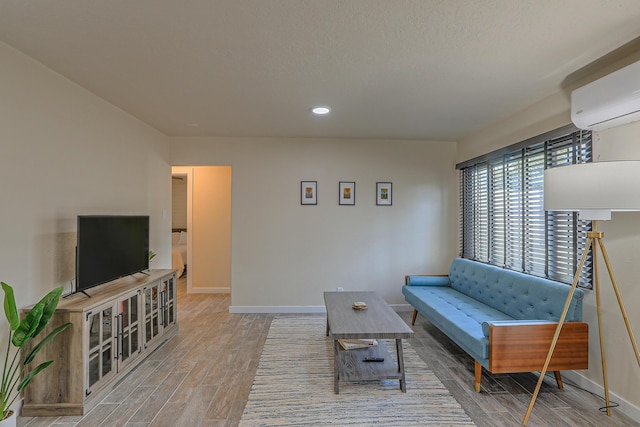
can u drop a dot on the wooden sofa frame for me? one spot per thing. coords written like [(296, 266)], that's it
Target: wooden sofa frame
[(517, 347)]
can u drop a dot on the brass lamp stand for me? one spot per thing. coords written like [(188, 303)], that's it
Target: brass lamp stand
[(592, 237)]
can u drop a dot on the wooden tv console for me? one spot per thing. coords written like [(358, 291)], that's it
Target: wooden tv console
[(110, 334)]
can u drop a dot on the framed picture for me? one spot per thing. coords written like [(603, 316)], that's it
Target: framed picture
[(383, 193), (347, 192), (308, 192)]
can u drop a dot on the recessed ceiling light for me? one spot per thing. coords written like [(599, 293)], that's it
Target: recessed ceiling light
[(320, 111)]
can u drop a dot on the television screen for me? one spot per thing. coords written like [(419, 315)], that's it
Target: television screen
[(110, 247)]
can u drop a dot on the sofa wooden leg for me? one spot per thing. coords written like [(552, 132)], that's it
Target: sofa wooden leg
[(415, 314), (478, 376), (558, 379)]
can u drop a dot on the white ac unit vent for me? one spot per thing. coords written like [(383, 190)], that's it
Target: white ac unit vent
[(612, 100)]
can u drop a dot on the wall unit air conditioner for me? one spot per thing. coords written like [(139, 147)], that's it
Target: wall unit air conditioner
[(612, 100)]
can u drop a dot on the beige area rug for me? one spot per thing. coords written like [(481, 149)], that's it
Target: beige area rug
[(293, 386)]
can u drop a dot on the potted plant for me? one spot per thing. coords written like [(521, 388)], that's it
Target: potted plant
[(15, 377)]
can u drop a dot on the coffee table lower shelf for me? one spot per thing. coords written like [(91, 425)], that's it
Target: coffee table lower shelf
[(349, 365)]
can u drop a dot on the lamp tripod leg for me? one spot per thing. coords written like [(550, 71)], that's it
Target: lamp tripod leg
[(554, 341), (603, 356)]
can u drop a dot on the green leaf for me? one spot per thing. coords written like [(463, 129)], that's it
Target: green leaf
[(10, 308), (50, 302), (28, 326), (47, 339), (28, 377)]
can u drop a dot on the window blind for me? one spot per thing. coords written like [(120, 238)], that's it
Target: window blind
[(502, 216)]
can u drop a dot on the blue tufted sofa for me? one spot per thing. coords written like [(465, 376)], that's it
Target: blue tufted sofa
[(503, 319)]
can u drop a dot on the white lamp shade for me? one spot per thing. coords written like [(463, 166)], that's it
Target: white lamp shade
[(593, 189)]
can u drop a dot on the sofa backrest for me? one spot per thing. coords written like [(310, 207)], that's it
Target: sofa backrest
[(519, 295)]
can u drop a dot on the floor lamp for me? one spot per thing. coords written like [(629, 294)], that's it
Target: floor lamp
[(594, 190)]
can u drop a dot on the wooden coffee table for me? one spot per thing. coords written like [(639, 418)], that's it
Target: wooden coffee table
[(379, 322)]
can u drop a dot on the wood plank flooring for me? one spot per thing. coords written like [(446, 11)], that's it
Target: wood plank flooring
[(203, 376)]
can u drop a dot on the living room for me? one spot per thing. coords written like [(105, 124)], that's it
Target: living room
[(67, 151)]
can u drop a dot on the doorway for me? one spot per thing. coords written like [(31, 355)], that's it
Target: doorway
[(208, 226)]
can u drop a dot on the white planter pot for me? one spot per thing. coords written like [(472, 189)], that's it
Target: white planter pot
[(9, 421)]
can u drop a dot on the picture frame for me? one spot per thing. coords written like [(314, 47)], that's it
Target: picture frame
[(347, 193), (383, 193), (308, 192)]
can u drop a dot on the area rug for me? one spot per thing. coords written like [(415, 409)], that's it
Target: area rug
[(293, 386)]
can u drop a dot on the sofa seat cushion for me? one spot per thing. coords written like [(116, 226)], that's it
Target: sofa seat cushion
[(456, 313)]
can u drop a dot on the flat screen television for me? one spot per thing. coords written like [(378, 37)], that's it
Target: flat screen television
[(109, 247)]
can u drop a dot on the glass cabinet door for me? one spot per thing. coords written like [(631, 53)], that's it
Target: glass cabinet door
[(169, 301), (151, 304), (128, 328), (100, 328)]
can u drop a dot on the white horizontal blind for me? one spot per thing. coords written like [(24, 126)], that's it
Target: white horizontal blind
[(475, 182), (503, 221), (514, 219)]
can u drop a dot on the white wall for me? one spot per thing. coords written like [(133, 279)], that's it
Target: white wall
[(210, 231), (65, 152), (622, 240), (179, 202), (285, 254), (550, 113)]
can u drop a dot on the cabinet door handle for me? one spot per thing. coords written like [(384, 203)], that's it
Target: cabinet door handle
[(165, 317), (121, 315), (163, 302), (116, 340)]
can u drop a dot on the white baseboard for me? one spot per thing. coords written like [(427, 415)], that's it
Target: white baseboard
[(630, 410), (293, 309), (209, 290), (275, 309)]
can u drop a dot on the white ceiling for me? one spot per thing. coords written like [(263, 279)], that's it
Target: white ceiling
[(414, 69)]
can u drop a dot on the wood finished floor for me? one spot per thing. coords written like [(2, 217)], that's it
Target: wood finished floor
[(203, 376)]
